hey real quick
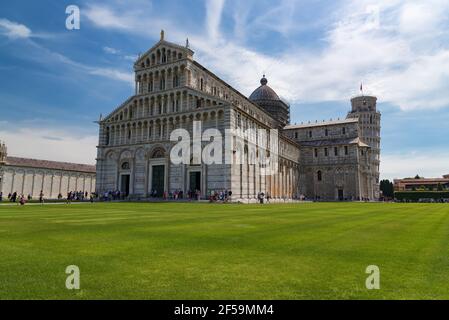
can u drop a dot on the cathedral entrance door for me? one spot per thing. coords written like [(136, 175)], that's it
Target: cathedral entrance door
[(124, 185), (158, 180), (340, 195), (195, 181)]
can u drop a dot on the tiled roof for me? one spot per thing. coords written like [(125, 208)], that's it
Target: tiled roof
[(320, 124), (46, 164)]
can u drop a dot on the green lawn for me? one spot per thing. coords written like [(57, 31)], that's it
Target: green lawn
[(209, 251)]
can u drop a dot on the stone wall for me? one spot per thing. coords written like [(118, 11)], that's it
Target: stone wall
[(30, 181)]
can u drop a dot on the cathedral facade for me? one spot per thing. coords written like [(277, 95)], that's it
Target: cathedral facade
[(336, 160)]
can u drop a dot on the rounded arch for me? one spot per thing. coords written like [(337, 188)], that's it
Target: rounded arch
[(157, 151)]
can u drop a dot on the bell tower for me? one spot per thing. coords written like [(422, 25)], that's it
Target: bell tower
[(3, 152), (365, 109)]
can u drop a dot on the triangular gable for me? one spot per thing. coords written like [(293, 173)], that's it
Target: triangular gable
[(161, 45)]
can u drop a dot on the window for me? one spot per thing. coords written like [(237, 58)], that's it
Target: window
[(150, 86), (310, 134), (107, 136), (198, 103), (296, 135), (326, 152), (162, 84), (371, 119), (201, 84), (326, 132), (336, 151), (316, 152), (175, 81), (125, 166), (319, 176), (343, 130), (346, 150)]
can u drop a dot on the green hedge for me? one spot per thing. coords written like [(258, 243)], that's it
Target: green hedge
[(416, 195)]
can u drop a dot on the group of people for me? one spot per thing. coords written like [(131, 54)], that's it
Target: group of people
[(75, 196), (78, 196), (113, 195), (21, 199), (71, 196), (177, 195), (222, 195)]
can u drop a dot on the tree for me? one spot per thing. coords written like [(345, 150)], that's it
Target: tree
[(417, 176), (439, 187), (387, 188)]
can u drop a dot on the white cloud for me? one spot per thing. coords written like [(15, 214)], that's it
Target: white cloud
[(117, 52), (396, 48), (421, 17), (13, 29), (45, 56), (106, 17), (111, 50), (136, 17), (58, 144), (111, 74), (214, 10), (430, 163)]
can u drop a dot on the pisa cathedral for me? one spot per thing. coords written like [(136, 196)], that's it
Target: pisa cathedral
[(332, 160)]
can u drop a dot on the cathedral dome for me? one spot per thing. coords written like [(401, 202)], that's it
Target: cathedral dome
[(264, 92), (268, 100)]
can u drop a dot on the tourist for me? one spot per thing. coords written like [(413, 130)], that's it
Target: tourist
[(41, 197)]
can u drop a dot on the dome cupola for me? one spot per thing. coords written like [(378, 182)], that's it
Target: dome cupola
[(267, 99), (264, 92)]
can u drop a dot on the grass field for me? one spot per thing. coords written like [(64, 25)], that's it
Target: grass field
[(208, 251)]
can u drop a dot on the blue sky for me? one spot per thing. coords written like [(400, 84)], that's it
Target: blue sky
[(54, 82)]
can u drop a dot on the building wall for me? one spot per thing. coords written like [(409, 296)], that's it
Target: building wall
[(245, 181), (31, 181), (334, 152)]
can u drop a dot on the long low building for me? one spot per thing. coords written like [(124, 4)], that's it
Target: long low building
[(412, 184), (31, 176)]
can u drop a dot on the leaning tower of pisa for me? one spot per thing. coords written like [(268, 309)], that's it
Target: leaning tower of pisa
[(3, 152), (365, 109)]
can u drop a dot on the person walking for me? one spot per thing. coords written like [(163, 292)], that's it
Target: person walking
[(41, 197)]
